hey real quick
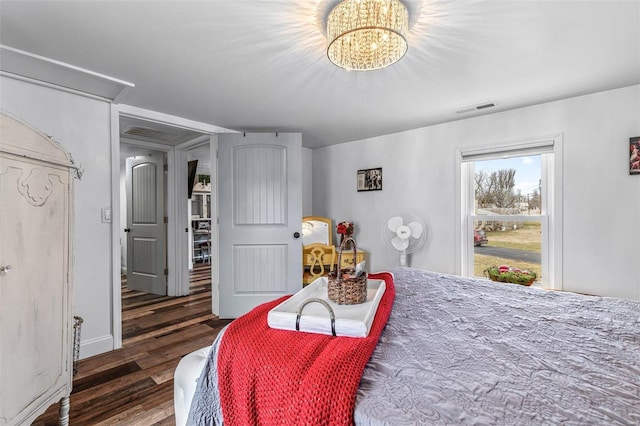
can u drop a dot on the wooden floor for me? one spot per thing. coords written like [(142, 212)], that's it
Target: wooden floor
[(134, 385)]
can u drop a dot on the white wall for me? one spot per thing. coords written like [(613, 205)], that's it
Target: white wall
[(601, 200), (307, 179), (82, 126)]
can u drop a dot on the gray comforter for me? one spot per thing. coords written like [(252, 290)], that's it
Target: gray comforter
[(464, 351)]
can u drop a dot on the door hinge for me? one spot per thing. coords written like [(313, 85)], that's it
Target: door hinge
[(166, 167), (166, 271), (166, 219), (217, 154)]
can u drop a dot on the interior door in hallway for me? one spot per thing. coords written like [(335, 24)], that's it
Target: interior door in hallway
[(260, 219), (145, 224)]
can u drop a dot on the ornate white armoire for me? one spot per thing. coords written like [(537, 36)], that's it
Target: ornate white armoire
[(36, 322)]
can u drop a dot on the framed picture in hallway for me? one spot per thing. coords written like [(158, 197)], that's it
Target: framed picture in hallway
[(634, 156), (370, 179)]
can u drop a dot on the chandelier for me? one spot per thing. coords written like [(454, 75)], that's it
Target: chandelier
[(367, 34)]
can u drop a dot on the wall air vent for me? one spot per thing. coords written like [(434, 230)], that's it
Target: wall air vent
[(478, 107), (489, 105)]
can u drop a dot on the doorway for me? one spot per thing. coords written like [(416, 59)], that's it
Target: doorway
[(139, 136), (200, 206), (145, 312)]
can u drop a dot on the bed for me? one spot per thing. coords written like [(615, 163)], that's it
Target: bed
[(466, 351)]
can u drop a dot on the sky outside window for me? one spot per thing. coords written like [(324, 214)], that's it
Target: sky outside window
[(528, 171)]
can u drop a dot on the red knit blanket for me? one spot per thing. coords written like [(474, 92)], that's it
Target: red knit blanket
[(277, 377)]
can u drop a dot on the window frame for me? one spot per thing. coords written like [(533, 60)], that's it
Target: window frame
[(550, 218)]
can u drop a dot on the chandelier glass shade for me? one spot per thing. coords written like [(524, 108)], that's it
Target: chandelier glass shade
[(367, 34)]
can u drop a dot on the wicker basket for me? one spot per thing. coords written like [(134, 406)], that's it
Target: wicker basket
[(347, 291)]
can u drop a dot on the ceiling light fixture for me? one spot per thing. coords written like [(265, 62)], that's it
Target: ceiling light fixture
[(367, 35)]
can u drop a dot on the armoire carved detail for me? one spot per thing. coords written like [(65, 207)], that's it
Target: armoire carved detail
[(36, 188)]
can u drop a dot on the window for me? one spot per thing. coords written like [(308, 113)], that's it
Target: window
[(510, 209)]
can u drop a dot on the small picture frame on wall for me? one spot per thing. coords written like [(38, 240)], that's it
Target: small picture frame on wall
[(634, 156), (370, 179)]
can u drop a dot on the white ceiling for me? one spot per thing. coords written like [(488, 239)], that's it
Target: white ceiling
[(256, 65)]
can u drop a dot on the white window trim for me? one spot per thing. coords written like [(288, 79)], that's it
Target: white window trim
[(551, 209)]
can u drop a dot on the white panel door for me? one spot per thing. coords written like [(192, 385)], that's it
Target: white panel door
[(145, 225), (260, 219)]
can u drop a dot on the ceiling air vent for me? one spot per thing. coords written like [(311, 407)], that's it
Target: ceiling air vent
[(479, 107), (146, 133)]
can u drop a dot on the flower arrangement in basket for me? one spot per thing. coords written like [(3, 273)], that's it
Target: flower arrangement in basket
[(345, 230), (344, 287), (507, 274)]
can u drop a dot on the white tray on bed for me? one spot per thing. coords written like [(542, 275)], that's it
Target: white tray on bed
[(351, 320)]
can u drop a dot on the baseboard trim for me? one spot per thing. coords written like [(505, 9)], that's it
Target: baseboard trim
[(96, 346)]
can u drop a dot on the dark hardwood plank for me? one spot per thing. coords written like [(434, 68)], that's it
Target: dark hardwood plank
[(134, 385)]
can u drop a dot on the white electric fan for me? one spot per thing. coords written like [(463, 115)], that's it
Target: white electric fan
[(404, 233)]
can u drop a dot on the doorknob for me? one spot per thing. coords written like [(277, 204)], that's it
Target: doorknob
[(127, 230), (4, 269), (296, 235)]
